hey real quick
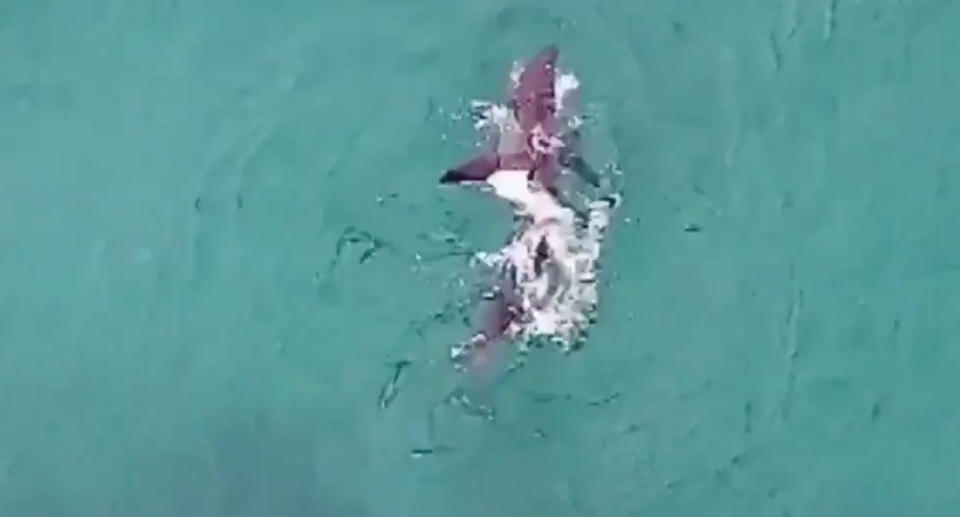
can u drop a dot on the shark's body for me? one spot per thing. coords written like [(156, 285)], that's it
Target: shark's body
[(546, 273)]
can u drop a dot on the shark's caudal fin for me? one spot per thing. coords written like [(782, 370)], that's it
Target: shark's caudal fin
[(498, 312)]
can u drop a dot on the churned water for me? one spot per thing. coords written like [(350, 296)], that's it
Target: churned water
[(229, 279)]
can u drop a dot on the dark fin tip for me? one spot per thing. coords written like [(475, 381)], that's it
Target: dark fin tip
[(449, 177), (454, 176)]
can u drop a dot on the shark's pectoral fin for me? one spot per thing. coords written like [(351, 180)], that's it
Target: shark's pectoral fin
[(582, 169), (477, 169)]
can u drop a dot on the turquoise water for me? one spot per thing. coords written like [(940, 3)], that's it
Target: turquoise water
[(179, 336)]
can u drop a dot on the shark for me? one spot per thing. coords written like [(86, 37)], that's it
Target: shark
[(544, 286)]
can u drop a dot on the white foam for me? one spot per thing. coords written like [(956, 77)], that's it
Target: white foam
[(558, 304), (565, 85)]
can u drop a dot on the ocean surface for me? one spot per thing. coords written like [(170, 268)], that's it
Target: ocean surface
[(229, 280)]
